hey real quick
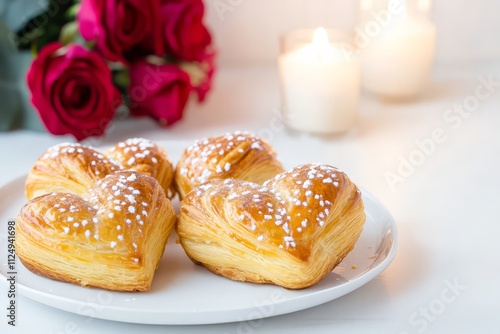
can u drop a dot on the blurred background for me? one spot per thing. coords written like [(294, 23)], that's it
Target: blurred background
[(247, 31), (246, 34)]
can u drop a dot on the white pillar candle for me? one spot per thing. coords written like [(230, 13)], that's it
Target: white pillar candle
[(398, 62), (320, 85)]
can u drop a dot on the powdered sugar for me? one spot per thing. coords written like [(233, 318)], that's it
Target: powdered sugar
[(297, 200)]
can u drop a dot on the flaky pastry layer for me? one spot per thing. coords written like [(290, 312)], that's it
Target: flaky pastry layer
[(112, 236), (292, 231), (238, 155), (74, 168)]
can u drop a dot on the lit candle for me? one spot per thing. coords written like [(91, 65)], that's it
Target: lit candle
[(398, 62), (320, 85)]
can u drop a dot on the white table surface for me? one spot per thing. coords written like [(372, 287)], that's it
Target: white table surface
[(447, 209)]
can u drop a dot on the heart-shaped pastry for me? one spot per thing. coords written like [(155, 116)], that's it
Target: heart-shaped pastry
[(291, 231), (238, 155), (74, 168), (111, 237)]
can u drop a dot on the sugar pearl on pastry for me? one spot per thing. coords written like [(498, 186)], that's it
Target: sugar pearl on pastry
[(226, 156), (290, 212)]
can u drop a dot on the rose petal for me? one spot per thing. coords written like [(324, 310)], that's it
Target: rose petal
[(185, 34), (122, 29), (72, 90), (160, 92)]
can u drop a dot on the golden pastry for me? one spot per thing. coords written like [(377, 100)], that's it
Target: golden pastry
[(111, 237), (238, 155), (74, 168), (291, 231)]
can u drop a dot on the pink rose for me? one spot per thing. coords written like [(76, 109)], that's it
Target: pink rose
[(158, 91), (72, 90), (185, 34), (122, 29)]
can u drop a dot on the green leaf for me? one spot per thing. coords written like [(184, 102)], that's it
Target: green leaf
[(89, 44), (72, 11), (121, 79), (46, 26), (68, 33)]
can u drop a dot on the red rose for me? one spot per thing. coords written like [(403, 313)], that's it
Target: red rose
[(158, 91), (72, 90), (122, 29), (185, 34)]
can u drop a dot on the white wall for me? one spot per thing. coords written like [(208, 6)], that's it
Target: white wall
[(247, 31)]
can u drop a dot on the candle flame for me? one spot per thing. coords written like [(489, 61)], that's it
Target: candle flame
[(320, 38), (424, 5), (366, 5)]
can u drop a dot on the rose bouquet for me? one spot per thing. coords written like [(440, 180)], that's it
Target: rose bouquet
[(95, 56)]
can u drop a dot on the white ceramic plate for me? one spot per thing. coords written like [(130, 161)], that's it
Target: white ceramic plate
[(183, 293)]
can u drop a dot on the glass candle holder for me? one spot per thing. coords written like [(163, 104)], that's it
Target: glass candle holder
[(397, 43), (320, 81)]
